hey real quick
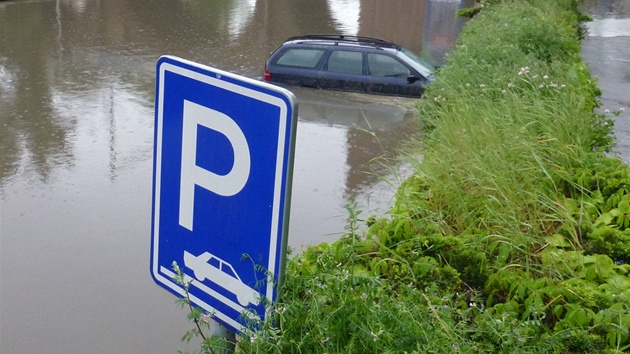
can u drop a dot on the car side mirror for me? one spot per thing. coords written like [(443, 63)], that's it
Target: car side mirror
[(412, 78)]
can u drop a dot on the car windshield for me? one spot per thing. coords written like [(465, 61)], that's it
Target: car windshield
[(425, 69)]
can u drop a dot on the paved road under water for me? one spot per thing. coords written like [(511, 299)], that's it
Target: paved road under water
[(76, 137), (607, 52), (76, 143)]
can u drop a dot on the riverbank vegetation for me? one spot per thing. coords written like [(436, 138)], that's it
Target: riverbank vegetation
[(513, 234)]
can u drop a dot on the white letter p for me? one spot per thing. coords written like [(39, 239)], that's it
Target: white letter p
[(193, 175)]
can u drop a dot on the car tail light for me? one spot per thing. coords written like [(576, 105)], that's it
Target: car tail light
[(267, 75)]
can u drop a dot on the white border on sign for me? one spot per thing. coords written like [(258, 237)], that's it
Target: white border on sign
[(277, 194)]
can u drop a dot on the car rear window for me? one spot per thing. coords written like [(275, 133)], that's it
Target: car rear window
[(300, 57)]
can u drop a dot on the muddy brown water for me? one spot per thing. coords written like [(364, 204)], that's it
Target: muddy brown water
[(76, 147)]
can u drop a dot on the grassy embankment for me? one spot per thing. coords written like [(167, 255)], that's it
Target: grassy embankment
[(513, 235)]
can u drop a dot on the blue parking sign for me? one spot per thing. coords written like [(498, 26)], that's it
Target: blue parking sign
[(223, 160)]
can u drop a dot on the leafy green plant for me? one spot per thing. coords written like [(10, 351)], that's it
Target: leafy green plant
[(211, 344), (619, 213)]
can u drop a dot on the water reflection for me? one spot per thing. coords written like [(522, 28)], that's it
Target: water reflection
[(348, 138), (347, 156), (31, 125), (606, 9), (346, 14), (77, 6), (439, 22), (611, 18), (374, 131), (609, 27), (240, 16)]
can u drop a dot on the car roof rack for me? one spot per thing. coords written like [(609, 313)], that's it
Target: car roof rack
[(347, 39)]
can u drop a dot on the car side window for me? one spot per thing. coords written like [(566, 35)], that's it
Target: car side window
[(385, 66), (301, 57), (347, 62)]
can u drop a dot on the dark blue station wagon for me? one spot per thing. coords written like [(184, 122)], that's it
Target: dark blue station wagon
[(349, 63)]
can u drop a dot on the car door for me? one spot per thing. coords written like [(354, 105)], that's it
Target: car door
[(343, 69), (388, 75)]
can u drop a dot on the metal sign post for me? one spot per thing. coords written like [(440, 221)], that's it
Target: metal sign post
[(223, 160)]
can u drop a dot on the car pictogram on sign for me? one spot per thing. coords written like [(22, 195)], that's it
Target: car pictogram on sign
[(208, 266)]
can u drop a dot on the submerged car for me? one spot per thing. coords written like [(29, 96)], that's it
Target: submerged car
[(349, 63)]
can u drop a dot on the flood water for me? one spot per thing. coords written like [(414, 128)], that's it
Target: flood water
[(77, 86), (607, 52)]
